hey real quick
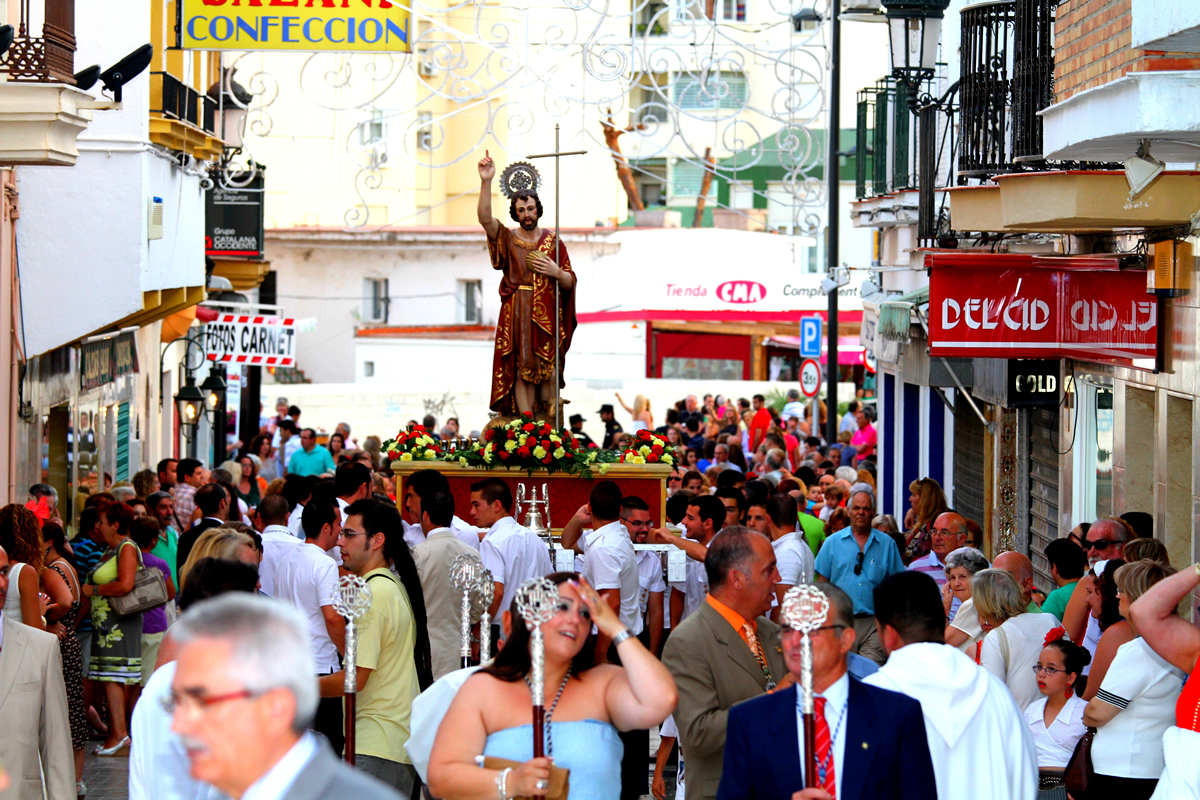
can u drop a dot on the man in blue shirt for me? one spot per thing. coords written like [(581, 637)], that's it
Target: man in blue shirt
[(856, 560), (311, 458)]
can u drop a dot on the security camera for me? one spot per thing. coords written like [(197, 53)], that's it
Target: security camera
[(86, 78), (207, 183), (125, 70)]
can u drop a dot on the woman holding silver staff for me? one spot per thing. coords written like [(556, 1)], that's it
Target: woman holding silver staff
[(585, 705)]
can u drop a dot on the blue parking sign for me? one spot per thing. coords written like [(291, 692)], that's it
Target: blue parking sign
[(810, 337)]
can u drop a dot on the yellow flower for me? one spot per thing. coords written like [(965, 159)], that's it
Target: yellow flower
[(559, 453), (555, 438), (430, 455), (524, 438), (462, 461), (487, 457), (636, 460), (666, 459), (406, 456), (510, 445), (539, 452), (644, 450)]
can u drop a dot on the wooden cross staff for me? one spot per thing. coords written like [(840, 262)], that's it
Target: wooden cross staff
[(556, 155)]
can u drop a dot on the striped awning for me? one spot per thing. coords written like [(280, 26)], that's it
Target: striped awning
[(895, 316)]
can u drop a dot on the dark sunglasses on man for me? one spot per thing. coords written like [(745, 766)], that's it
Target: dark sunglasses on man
[(1099, 544)]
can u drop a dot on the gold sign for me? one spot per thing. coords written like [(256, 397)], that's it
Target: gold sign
[(364, 26)]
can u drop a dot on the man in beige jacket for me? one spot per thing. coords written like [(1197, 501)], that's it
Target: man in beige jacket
[(726, 652), (443, 602), (33, 705)]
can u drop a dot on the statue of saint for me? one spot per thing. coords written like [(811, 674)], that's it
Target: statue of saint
[(525, 350)]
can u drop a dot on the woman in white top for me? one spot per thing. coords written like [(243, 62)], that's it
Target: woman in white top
[(964, 631), (1014, 638), (1134, 706), (642, 418), (1056, 721)]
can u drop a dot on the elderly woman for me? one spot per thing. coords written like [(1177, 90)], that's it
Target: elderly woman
[(588, 703), (1135, 705), (224, 542), (964, 631), (1014, 637)]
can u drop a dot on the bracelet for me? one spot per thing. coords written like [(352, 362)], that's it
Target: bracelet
[(502, 783), (622, 636)]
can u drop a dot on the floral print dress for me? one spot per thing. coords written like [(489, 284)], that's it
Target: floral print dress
[(116, 640), (72, 660)]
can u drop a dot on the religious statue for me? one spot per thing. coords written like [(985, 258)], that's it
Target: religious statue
[(537, 279)]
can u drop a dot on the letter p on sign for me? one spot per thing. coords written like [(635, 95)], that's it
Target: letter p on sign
[(810, 337)]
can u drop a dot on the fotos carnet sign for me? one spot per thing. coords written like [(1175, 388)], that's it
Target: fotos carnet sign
[(247, 339), (367, 26)]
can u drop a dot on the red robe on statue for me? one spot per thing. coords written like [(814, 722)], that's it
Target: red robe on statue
[(525, 330)]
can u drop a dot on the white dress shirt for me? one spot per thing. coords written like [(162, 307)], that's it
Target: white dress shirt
[(650, 578), (793, 559), (513, 554), (1056, 744), (159, 767), (609, 562), (294, 521), (279, 778), (278, 543), (307, 579), (837, 698)]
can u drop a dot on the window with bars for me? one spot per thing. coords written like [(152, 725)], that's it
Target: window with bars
[(712, 91)]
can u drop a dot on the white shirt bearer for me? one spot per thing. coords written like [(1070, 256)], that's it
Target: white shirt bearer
[(609, 562), (513, 554)]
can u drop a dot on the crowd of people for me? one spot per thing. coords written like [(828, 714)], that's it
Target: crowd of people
[(937, 671)]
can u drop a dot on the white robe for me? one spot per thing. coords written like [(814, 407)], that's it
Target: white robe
[(978, 740), (1181, 779)]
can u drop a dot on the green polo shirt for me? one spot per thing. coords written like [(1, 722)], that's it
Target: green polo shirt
[(1056, 601), (317, 462), (814, 531)]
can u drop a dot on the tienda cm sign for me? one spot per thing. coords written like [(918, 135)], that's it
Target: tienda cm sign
[(741, 291)]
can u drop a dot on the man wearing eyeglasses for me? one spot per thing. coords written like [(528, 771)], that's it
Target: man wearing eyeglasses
[(856, 560), (242, 697)]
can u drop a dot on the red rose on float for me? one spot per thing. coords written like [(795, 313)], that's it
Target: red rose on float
[(652, 458), (657, 450), (527, 427), (523, 452), (504, 455), (487, 435), (547, 459), (393, 455)]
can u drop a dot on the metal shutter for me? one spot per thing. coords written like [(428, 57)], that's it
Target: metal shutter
[(969, 458), (1043, 490)]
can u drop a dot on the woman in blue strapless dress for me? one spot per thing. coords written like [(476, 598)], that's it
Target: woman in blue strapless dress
[(585, 705)]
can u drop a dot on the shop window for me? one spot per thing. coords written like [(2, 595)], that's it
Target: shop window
[(1093, 462)]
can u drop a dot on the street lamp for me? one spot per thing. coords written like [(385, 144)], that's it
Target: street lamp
[(914, 28), (190, 403), (214, 389)]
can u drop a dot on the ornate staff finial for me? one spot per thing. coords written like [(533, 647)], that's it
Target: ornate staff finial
[(464, 576), (805, 608), (352, 597), (537, 603), (518, 177), (485, 589)]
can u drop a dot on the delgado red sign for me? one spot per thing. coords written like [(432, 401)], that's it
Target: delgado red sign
[(741, 291), (1005, 306)]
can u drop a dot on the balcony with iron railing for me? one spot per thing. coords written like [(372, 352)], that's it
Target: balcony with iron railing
[(183, 119), (41, 110)]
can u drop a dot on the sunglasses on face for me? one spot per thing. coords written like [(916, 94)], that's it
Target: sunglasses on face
[(1099, 544)]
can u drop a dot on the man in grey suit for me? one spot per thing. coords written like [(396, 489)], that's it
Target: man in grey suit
[(244, 695), (33, 705), (726, 652)]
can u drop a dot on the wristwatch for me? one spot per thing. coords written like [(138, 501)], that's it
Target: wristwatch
[(622, 636)]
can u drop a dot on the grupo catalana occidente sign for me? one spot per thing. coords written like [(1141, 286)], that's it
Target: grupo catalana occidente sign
[(378, 26)]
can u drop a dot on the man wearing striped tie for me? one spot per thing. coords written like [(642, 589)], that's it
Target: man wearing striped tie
[(870, 743)]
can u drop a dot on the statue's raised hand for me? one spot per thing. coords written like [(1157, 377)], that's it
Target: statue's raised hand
[(487, 167)]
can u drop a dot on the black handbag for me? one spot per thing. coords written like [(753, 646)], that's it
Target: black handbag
[(1079, 772)]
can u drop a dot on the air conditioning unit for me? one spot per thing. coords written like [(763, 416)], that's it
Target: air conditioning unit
[(154, 218)]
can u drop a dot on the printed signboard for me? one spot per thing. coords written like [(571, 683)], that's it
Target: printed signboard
[(367, 26), (255, 340)]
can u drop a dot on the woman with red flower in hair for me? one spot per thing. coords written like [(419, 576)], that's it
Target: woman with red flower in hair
[(1056, 721)]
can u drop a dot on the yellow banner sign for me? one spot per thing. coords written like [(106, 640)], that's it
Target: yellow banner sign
[(378, 26)]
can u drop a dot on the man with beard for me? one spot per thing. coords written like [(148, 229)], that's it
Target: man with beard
[(523, 367)]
